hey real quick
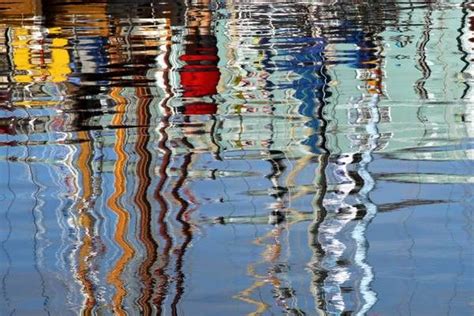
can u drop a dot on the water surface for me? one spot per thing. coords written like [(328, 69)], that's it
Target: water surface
[(236, 157)]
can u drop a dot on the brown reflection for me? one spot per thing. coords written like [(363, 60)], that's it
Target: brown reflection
[(86, 221), (79, 14), (164, 255), (141, 198), (25, 8), (160, 274), (196, 84)]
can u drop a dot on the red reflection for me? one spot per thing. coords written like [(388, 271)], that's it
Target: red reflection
[(200, 76)]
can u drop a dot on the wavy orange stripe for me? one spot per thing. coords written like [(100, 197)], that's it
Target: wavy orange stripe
[(114, 277)]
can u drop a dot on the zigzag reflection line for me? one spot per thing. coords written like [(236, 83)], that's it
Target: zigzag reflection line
[(186, 231), (140, 199), (161, 271), (114, 276), (369, 296), (86, 221)]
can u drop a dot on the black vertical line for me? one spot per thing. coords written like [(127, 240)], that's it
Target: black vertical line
[(186, 230), (423, 65), (465, 54), (319, 272)]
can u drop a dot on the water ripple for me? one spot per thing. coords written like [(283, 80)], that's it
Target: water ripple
[(239, 157)]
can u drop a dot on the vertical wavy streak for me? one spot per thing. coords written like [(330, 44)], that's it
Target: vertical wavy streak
[(319, 274), (114, 203), (290, 181), (141, 199), (164, 256), (359, 232), (160, 273), (271, 253), (86, 221), (462, 30), (422, 63), (69, 251), (186, 230), (36, 211)]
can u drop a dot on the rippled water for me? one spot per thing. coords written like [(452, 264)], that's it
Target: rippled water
[(236, 157)]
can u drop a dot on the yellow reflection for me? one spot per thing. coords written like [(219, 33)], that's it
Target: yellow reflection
[(270, 254), (35, 60), (31, 103)]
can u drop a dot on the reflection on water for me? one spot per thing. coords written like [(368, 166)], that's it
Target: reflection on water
[(244, 157)]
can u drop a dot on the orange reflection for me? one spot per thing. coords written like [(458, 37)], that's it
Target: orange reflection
[(114, 277), (86, 221)]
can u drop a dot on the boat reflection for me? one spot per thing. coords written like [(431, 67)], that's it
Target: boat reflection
[(227, 156)]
